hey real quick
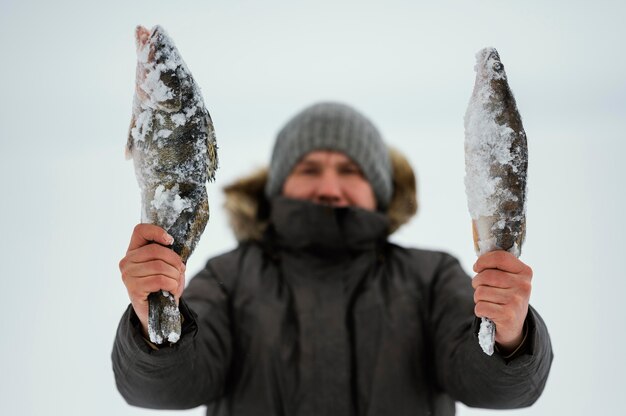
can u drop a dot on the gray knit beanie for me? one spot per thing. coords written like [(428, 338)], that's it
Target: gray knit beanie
[(332, 126)]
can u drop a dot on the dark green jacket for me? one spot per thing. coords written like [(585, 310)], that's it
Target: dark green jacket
[(325, 317)]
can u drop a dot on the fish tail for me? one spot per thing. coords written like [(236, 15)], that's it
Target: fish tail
[(211, 145)]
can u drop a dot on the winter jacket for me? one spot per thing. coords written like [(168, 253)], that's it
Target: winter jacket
[(317, 313)]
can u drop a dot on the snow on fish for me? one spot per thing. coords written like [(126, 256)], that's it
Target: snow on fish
[(172, 143), (496, 162)]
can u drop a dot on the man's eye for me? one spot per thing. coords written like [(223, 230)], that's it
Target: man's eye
[(307, 170), (350, 170)]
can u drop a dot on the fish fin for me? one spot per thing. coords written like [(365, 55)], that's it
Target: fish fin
[(128, 150), (475, 236), (211, 145), (199, 222), (521, 237), (191, 222)]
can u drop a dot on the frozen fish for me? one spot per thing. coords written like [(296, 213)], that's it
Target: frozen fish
[(496, 162), (173, 146)]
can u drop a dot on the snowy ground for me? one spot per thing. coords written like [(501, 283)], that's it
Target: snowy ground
[(70, 199)]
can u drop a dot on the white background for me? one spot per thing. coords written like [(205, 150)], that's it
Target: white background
[(69, 200)]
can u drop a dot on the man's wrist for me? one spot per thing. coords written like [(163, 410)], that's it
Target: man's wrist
[(510, 353)]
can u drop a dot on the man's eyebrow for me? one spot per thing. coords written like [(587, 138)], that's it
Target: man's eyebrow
[(309, 162), (349, 163)]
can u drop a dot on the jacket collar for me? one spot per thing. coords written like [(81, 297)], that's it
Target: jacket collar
[(304, 225)]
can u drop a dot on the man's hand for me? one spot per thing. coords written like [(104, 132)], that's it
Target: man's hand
[(501, 293), (149, 266)]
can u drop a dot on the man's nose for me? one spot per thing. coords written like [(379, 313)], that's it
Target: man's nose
[(329, 189)]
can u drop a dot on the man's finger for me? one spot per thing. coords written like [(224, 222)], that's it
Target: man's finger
[(147, 233), (151, 284), (492, 295), (156, 252), (179, 290), (499, 259), (150, 268), (493, 278)]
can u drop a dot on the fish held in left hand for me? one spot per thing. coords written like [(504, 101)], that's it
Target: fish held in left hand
[(172, 143), (496, 163)]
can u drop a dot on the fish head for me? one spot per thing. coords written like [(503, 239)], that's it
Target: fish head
[(491, 85), (158, 64), (141, 37), (148, 42), (488, 65)]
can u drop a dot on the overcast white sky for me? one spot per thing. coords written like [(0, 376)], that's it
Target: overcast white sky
[(70, 200)]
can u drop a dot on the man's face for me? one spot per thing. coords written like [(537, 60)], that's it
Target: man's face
[(330, 178)]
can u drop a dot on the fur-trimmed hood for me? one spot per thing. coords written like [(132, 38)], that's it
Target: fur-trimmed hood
[(248, 207)]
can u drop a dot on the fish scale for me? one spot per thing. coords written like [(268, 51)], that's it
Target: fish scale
[(496, 163), (173, 146)]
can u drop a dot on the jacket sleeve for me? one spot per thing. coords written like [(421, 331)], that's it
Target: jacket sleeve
[(186, 374), (463, 370)]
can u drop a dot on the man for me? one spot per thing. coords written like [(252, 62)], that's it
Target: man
[(315, 312)]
